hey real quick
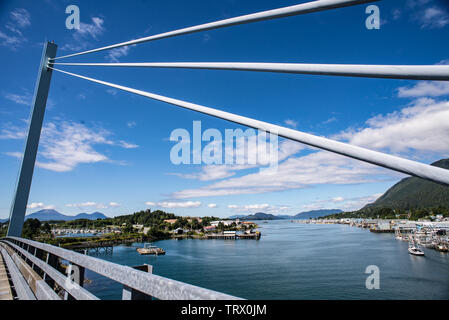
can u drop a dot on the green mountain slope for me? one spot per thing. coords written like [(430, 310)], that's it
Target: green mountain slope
[(414, 193)]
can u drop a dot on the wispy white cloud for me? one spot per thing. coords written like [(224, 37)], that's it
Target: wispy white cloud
[(93, 29), (422, 127), (212, 205), (259, 207), (13, 38), (114, 204), (131, 124), (295, 173), (428, 14), (17, 155), (93, 204), (127, 145), (88, 204), (26, 99), (396, 14), (291, 123), (11, 42), (21, 17), (39, 205), (23, 99), (115, 54), (112, 92), (425, 89), (349, 204), (175, 204), (88, 31), (434, 18), (10, 131), (330, 120), (357, 203), (216, 172), (65, 145)]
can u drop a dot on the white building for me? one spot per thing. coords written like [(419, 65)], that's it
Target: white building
[(225, 222)]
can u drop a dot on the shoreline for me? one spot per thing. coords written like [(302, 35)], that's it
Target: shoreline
[(431, 235), (87, 242)]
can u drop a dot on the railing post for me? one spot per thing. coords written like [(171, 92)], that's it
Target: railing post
[(133, 294), (75, 274), (38, 253), (18, 208), (52, 261)]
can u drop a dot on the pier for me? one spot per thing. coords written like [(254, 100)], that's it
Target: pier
[(95, 248)]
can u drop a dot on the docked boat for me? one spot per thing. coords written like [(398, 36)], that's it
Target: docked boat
[(414, 249), (149, 249), (441, 248)]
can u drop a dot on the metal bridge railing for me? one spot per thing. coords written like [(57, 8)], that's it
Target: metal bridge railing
[(35, 271)]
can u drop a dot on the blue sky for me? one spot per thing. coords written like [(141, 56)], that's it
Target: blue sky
[(109, 151)]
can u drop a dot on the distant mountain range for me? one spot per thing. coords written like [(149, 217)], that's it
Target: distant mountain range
[(301, 215), (50, 214), (414, 193)]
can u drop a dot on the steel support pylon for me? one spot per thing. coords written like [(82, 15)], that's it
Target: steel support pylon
[(19, 204)]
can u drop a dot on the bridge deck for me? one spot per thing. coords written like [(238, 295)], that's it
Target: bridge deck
[(5, 288)]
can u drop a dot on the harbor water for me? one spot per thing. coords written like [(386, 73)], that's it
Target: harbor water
[(292, 261)]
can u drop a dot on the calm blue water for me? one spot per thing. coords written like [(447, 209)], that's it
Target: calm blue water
[(293, 261)]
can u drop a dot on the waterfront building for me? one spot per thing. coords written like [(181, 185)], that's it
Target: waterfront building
[(225, 222)]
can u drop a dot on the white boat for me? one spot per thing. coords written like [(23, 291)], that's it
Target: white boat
[(413, 248), (149, 249), (415, 251)]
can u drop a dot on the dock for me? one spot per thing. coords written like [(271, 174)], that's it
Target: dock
[(95, 248)]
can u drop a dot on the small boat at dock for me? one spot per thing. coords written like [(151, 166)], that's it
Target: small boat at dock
[(414, 249), (441, 248), (149, 249)]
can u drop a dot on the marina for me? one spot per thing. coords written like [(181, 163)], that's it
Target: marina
[(313, 261), (432, 235)]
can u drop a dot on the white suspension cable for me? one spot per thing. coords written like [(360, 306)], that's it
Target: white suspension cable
[(423, 72), (413, 168), (302, 8)]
